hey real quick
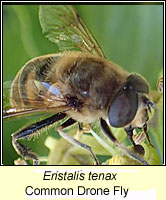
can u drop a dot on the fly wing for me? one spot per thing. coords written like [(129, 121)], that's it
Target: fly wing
[(63, 26), (49, 100)]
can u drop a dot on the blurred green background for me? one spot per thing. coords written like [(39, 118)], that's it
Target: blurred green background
[(130, 35)]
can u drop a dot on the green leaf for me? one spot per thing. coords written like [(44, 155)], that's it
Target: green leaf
[(150, 156)]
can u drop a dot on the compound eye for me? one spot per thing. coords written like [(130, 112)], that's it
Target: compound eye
[(123, 108), (138, 83)]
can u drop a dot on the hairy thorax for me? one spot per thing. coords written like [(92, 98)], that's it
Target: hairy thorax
[(89, 84)]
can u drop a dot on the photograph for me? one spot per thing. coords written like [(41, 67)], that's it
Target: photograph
[(83, 84)]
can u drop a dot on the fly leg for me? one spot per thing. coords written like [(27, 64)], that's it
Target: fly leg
[(137, 148), (108, 132), (147, 136), (28, 133), (73, 141)]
